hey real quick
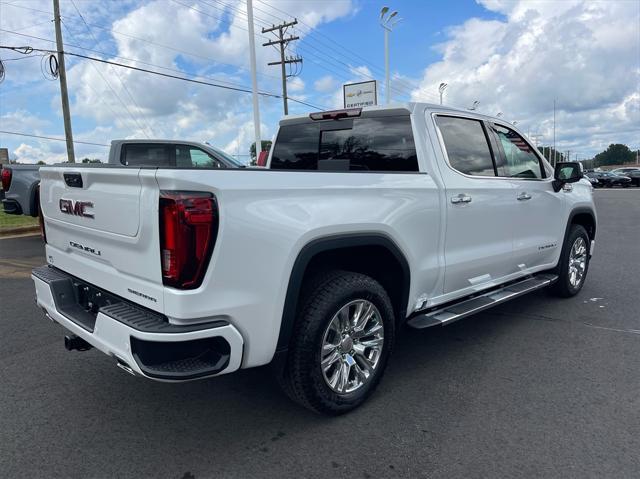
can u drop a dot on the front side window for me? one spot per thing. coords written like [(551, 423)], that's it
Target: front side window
[(192, 157), (359, 144), (519, 160), (467, 145)]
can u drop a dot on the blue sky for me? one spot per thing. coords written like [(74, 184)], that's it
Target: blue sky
[(514, 56)]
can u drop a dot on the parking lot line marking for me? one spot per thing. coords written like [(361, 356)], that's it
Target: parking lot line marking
[(632, 331)]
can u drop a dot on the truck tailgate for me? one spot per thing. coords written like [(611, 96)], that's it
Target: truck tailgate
[(95, 229)]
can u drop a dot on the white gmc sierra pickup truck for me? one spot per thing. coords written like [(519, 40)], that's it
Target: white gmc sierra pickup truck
[(364, 221)]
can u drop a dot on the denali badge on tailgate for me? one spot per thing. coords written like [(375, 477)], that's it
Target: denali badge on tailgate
[(77, 208)]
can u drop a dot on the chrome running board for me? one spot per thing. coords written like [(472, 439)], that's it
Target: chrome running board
[(468, 306)]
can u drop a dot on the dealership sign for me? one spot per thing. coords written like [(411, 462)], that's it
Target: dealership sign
[(360, 94)]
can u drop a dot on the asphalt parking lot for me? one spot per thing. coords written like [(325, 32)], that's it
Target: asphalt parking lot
[(539, 387)]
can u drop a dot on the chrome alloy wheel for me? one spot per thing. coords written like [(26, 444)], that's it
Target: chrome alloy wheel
[(577, 262), (352, 346)]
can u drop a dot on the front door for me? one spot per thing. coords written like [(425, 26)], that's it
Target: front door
[(538, 211)]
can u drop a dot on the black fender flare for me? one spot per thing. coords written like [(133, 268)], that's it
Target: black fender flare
[(576, 211), (34, 199), (327, 243)]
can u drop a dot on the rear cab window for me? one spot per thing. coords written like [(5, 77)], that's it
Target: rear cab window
[(374, 144)]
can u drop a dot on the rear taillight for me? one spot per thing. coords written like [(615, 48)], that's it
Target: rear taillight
[(6, 178), (188, 229), (262, 158)]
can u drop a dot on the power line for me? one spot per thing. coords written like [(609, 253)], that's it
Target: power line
[(244, 90), (115, 94), (311, 30), (325, 59), (50, 138), (25, 8), (123, 58), (124, 86), (282, 43), (191, 80), (168, 47)]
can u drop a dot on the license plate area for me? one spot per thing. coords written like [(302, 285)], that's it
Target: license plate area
[(80, 301)]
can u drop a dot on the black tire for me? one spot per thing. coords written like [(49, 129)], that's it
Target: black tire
[(302, 378), (563, 287)]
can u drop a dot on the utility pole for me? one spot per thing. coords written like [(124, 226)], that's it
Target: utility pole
[(68, 134), (282, 42), (254, 79)]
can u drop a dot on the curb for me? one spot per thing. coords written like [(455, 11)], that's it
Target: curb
[(20, 230)]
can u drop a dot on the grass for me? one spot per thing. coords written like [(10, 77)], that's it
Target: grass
[(15, 221)]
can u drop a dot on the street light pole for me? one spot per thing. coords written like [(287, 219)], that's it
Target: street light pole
[(386, 66), (441, 89), (387, 23)]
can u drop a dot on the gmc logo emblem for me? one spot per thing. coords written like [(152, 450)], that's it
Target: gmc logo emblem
[(77, 208)]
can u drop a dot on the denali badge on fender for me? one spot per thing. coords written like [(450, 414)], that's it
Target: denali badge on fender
[(77, 208)]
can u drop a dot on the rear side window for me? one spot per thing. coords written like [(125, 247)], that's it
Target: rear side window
[(519, 160), (467, 145), (145, 155), (360, 144)]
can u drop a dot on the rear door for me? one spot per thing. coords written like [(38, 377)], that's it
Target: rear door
[(478, 240), (537, 211), (95, 229)]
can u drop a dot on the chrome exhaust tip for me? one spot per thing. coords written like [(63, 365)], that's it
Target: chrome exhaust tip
[(125, 367)]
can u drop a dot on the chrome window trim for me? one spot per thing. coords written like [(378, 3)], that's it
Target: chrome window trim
[(482, 120)]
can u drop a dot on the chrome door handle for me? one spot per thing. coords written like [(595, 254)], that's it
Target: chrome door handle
[(461, 198), (524, 196)]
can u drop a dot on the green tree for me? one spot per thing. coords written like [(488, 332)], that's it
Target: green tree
[(40, 163), (266, 146), (616, 154), (89, 160), (548, 153)]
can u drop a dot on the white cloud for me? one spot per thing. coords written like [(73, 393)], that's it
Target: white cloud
[(584, 54), (22, 121), (295, 84), (26, 153), (361, 72), (325, 84), (159, 33)]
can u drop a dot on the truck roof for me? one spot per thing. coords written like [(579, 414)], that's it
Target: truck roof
[(394, 109)]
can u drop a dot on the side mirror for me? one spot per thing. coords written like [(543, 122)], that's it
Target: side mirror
[(262, 158), (566, 172)]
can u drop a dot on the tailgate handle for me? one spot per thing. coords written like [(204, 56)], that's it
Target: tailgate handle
[(74, 180)]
